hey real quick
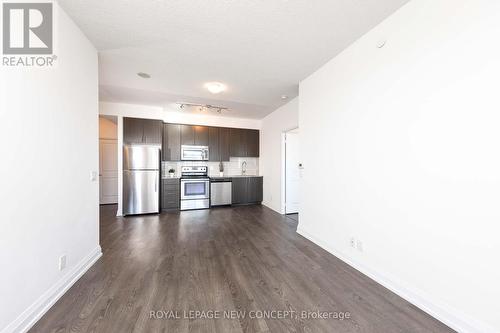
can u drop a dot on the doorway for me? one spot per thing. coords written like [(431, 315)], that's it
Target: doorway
[(292, 173), (108, 161)]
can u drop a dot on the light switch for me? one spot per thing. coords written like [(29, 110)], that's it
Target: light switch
[(93, 176)]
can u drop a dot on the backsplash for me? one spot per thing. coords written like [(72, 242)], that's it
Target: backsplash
[(231, 168)]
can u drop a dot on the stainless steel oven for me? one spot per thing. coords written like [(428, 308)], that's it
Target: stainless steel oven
[(194, 153), (195, 188)]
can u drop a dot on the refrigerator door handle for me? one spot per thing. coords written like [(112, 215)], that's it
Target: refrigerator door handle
[(156, 183)]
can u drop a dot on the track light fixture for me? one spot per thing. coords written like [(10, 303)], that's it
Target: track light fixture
[(203, 107)]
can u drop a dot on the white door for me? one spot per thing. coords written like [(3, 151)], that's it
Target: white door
[(292, 173), (108, 171)]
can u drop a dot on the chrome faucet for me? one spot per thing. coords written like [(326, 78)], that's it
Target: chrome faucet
[(244, 168)]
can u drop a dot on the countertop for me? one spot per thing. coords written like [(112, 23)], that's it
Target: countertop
[(237, 176), (218, 177)]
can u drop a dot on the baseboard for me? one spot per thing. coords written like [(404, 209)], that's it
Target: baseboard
[(271, 207), (450, 317), (33, 313)]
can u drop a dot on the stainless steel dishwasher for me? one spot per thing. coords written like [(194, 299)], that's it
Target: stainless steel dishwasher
[(220, 191)]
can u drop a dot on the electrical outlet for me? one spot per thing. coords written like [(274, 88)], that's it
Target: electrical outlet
[(359, 245), (62, 262), (353, 242)]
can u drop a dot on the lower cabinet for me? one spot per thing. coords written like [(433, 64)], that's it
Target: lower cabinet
[(255, 189), (171, 194), (247, 190), (239, 190)]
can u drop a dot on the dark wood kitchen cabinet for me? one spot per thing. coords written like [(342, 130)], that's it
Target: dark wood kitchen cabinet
[(171, 147), (194, 135), (153, 130), (201, 135), (252, 143), (244, 142), (170, 199), (218, 144), (213, 144), (255, 189), (187, 135), (133, 130), (239, 190), (142, 131), (247, 190), (237, 142), (224, 143)]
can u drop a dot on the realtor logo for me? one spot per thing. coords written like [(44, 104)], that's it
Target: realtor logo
[(27, 28), (28, 34)]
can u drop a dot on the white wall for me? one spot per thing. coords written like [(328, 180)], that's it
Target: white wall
[(49, 205), (176, 117), (410, 134), (271, 151)]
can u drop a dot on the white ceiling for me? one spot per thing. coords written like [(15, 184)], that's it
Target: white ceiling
[(260, 48)]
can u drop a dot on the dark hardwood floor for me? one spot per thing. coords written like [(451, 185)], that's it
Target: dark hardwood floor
[(246, 258)]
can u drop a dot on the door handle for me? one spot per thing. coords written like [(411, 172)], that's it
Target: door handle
[(156, 183)]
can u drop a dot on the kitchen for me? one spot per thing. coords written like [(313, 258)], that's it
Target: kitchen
[(171, 167)]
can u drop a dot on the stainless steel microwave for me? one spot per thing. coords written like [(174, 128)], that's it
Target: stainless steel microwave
[(194, 153)]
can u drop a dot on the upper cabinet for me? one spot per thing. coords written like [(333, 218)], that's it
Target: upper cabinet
[(142, 131), (187, 135), (133, 130), (244, 142), (153, 131), (224, 139), (222, 142), (236, 143), (201, 135), (219, 143), (171, 148), (194, 135), (213, 144), (252, 143)]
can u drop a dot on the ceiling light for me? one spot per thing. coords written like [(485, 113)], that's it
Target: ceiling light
[(284, 97), (144, 75), (202, 107), (381, 43), (215, 87)]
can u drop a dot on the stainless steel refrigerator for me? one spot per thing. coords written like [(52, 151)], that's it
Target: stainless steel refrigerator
[(141, 179)]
